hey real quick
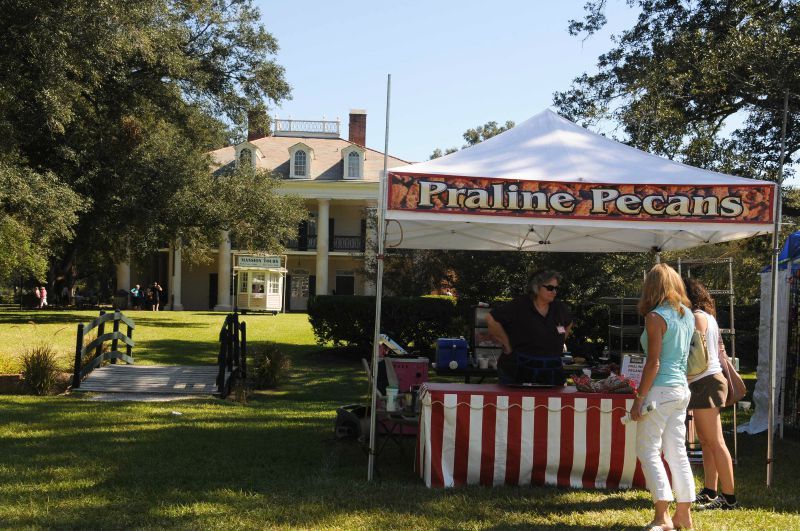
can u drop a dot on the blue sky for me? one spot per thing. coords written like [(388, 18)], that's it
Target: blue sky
[(454, 65)]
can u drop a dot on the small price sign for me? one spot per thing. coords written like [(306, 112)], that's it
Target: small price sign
[(632, 367)]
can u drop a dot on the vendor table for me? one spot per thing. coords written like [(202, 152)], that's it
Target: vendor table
[(466, 373), (492, 435)]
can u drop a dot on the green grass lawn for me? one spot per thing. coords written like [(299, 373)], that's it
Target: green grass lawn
[(162, 338), (68, 462)]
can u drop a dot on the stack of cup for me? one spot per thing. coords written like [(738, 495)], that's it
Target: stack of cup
[(391, 398)]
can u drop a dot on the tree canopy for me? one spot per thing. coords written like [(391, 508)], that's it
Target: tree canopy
[(476, 135), (119, 102), (700, 81)]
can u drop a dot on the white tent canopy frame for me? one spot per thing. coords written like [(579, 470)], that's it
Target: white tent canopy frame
[(550, 185)]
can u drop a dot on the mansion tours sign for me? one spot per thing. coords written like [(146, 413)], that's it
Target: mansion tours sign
[(258, 262), (742, 203)]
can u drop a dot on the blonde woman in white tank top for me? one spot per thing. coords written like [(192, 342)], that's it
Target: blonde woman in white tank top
[(709, 390)]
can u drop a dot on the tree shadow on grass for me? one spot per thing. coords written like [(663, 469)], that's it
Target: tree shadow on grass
[(268, 463), (25, 318), (276, 461)]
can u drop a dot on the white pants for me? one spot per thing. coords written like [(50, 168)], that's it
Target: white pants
[(664, 429)]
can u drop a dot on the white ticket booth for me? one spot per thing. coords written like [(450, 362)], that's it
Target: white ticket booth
[(260, 282)]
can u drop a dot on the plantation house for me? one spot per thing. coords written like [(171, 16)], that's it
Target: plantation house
[(338, 179)]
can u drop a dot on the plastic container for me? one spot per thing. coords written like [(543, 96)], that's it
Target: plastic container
[(391, 399)]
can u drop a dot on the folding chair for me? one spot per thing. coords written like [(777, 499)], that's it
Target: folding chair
[(390, 424)]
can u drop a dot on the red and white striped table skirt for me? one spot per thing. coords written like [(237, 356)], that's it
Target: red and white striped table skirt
[(495, 435)]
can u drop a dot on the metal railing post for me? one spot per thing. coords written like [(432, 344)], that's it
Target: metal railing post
[(100, 331), (115, 341), (76, 375), (243, 329), (128, 348)]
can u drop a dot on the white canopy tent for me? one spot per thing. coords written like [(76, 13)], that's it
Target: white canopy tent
[(555, 155), (550, 185)]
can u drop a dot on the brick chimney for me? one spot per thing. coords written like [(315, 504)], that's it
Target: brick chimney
[(257, 125), (358, 127)]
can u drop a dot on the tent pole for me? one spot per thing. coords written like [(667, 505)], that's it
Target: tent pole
[(378, 290), (773, 336)]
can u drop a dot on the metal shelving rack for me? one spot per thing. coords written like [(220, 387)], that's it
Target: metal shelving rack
[(789, 388), (731, 330), (625, 325)]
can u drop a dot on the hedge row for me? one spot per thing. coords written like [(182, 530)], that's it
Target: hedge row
[(411, 321)]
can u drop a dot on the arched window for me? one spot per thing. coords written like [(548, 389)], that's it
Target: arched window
[(245, 158), (300, 159), (353, 169)]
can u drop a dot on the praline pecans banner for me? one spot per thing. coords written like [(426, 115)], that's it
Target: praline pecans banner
[(750, 203)]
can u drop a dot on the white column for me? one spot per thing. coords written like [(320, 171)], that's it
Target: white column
[(224, 273), (323, 213), (123, 278), (170, 272), (177, 266)]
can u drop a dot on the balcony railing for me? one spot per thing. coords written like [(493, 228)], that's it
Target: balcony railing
[(348, 243), (340, 243), (326, 128)]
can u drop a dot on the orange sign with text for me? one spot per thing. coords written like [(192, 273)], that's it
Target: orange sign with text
[(748, 203)]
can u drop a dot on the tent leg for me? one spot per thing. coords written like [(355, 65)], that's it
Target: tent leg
[(773, 332), (378, 293)]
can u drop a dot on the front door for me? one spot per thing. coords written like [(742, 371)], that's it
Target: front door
[(213, 285), (258, 291), (299, 290), (345, 283)]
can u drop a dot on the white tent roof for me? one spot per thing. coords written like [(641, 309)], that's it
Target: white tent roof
[(550, 149)]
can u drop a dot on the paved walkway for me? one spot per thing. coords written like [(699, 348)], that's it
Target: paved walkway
[(172, 380)]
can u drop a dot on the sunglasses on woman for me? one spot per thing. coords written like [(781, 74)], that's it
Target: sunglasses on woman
[(550, 287)]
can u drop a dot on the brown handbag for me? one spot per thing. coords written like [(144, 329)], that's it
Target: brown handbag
[(736, 387)]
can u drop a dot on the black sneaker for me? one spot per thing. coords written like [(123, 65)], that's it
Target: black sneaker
[(718, 503), (704, 497)]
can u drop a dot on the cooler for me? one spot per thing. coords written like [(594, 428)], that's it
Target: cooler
[(451, 353)]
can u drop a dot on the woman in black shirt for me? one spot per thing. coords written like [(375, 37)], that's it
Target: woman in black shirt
[(532, 329)]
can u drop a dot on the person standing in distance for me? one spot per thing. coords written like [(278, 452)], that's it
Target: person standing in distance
[(532, 329), (669, 325)]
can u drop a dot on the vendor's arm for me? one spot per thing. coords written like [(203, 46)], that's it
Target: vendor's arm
[(656, 327), (498, 332)]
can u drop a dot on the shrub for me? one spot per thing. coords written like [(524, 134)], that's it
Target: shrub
[(269, 367), (40, 370), (350, 320)]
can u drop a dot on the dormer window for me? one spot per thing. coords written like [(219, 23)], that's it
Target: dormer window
[(353, 165), (300, 164), (300, 158), (353, 162), (247, 155)]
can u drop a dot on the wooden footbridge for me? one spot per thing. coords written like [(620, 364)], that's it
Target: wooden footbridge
[(153, 379), (94, 376)]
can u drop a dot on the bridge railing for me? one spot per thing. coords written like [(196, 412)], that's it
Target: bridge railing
[(232, 359), (81, 369)]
